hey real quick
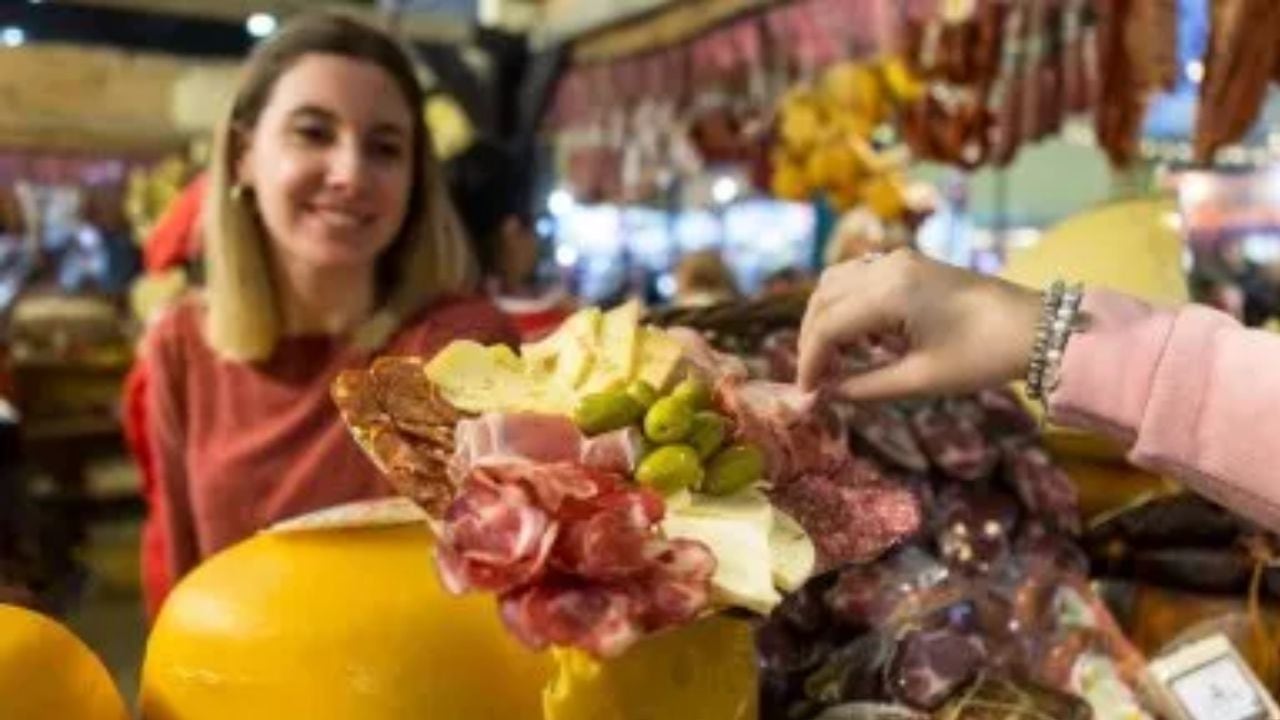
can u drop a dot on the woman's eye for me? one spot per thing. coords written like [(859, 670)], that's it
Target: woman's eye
[(313, 134), (386, 150)]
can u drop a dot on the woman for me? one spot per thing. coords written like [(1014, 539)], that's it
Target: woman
[(1190, 391), (328, 237)]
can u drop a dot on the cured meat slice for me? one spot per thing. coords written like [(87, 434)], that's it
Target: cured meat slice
[(494, 538), (850, 524), (418, 472), (412, 401), (1044, 488), (606, 618), (352, 391), (954, 443), (883, 432), (930, 665), (573, 553), (614, 543), (797, 434), (502, 438), (699, 354), (562, 611), (975, 528)]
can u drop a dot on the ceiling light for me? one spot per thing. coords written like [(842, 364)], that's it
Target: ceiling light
[(12, 36), (1195, 71), (261, 25)]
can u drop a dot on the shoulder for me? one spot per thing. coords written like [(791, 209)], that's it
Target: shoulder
[(456, 317), (176, 331)]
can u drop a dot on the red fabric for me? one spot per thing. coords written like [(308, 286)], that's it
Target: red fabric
[(175, 239), (155, 563), (230, 448)]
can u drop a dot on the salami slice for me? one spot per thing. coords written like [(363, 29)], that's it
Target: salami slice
[(1044, 488), (850, 523), (954, 443), (884, 433)]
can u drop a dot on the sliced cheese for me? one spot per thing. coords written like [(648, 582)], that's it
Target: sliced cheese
[(566, 356), (615, 359), (791, 552), (658, 358), (742, 577)]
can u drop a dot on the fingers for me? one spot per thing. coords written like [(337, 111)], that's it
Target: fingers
[(913, 374), (828, 329)]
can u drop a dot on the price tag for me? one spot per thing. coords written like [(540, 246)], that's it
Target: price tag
[(1209, 680)]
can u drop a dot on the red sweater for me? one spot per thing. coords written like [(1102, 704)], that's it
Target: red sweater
[(229, 448)]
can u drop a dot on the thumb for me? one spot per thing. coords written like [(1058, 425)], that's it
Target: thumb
[(913, 374)]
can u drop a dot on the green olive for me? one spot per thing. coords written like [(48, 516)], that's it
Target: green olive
[(733, 469), (695, 392), (707, 435), (668, 421), (670, 468), (605, 411), (643, 393)]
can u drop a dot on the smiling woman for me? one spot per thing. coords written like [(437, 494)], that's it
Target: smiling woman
[(328, 236)]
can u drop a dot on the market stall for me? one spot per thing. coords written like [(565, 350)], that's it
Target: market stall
[(641, 515)]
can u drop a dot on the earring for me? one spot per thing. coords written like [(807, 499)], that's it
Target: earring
[(239, 191)]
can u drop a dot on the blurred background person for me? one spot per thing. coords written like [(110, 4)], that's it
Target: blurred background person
[(703, 278)]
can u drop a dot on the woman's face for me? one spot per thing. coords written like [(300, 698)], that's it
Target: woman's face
[(330, 162)]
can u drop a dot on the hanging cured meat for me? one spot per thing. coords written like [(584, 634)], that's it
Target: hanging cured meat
[(1243, 55)]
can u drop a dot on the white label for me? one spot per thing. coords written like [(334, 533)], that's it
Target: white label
[(1218, 691)]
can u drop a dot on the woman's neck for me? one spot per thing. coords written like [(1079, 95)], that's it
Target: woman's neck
[(322, 301)]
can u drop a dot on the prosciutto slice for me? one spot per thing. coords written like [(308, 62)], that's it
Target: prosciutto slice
[(573, 553), (501, 438)]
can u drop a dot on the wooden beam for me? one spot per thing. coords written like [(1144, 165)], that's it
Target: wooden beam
[(417, 27)]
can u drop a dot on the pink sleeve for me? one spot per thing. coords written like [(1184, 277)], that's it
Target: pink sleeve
[(1192, 393)]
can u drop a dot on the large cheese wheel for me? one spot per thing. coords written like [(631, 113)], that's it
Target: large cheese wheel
[(347, 624), (46, 673)]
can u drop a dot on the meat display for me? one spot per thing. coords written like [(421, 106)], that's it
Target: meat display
[(989, 584), (1242, 58)]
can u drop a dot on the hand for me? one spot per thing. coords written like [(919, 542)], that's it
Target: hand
[(964, 331)]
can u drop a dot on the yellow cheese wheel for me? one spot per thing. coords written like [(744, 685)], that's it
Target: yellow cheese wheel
[(702, 671), (347, 624), (351, 624), (47, 673)]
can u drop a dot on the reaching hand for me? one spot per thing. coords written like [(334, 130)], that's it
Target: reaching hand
[(964, 331)]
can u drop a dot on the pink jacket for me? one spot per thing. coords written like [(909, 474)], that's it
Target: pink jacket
[(1192, 393)]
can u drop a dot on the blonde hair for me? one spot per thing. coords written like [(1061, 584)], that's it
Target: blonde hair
[(430, 255)]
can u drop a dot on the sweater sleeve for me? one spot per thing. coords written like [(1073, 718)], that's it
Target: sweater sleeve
[(1191, 393), (166, 424)]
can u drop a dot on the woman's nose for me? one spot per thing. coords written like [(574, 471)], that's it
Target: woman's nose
[(346, 165)]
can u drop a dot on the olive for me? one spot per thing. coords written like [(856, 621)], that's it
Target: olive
[(668, 421), (693, 391), (643, 393), (604, 411), (707, 435), (733, 469), (670, 468)]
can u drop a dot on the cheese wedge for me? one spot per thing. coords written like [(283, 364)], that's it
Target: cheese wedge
[(615, 359), (659, 357), (792, 556), (742, 577), (566, 356)]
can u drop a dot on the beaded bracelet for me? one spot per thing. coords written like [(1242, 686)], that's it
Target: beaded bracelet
[(1059, 313)]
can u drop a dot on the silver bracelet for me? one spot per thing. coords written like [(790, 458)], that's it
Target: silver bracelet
[(1058, 320)]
